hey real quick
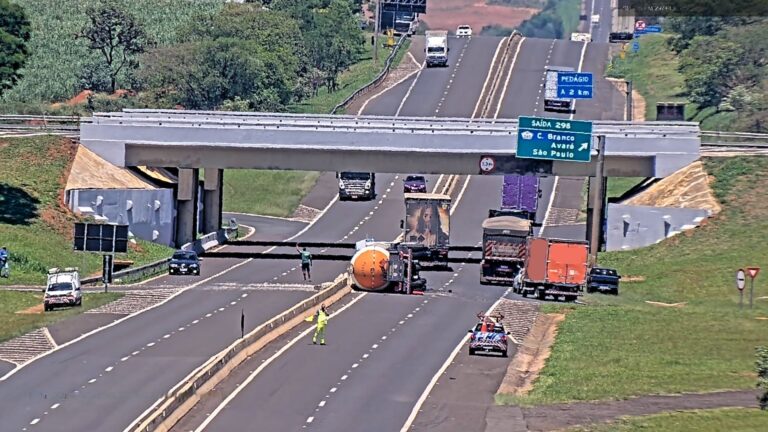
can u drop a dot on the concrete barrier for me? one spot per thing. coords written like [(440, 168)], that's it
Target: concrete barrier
[(167, 411)]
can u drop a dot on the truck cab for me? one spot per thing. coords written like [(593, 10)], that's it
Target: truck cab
[(356, 185), (436, 47), (62, 288), (551, 101)]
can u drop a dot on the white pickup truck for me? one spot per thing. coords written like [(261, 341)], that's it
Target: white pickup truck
[(62, 289)]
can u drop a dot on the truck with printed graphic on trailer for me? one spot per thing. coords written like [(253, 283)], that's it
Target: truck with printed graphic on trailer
[(427, 227), (554, 267)]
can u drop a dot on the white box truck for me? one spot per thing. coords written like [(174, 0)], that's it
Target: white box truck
[(62, 289), (437, 47)]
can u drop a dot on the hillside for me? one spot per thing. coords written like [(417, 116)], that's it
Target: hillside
[(35, 225)]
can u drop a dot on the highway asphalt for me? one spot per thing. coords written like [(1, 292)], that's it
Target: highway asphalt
[(112, 376)]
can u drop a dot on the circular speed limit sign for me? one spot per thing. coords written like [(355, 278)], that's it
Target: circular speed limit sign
[(487, 164)]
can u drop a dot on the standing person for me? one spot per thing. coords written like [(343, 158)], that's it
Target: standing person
[(306, 262), (4, 262), (322, 321)]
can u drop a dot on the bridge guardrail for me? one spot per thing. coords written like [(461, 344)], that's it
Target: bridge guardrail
[(182, 398), (200, 245), (376, 81)]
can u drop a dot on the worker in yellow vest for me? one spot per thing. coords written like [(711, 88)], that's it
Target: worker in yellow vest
[(322, 321)]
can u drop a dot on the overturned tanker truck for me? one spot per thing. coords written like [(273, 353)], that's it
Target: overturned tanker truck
[(383, 266)]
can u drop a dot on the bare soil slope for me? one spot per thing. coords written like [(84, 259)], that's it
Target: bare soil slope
[(449, 14), (687, 188)]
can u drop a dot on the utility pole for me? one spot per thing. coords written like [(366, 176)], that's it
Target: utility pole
[(376, 29), (598, 201), (629, 100)]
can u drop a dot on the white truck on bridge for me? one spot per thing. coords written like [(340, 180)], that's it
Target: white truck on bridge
[(436, 47)]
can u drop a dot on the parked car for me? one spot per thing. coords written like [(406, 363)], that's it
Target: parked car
[(603, 279), (184, 262), (489, 335), (463, 30), (414, 183)]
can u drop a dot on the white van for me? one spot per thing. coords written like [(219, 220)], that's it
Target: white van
[(62, 289)]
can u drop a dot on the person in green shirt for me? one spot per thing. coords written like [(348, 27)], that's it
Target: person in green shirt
[(306, 262)]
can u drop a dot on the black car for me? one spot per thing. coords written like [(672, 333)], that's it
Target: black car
[(184, 262), (604, 280), (414, 183)]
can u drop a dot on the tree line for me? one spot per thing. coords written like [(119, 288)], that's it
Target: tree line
[(258, 55), (724, 63)]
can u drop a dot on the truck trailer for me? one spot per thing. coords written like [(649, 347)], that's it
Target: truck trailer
[(551, 101), (521, 193), (504, 248), (436, 47), (427, 227), (554, 267)]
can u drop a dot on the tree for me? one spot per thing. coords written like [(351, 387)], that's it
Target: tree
[(336, 42), (710, 69), (115, 34), (14, 33)]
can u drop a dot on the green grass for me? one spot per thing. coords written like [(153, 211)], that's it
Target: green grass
[(653, 72), (351, 80), (716, 420), (51, 72), (617, 186), (618, 347), (34, 224), (278, 193), (13, 323), (271, 193)]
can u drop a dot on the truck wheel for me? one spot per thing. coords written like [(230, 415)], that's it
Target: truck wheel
[(505, 353), (524, 293), (570, 298), (590, 289), (615, 291), (541, 294), (483, 281), (471, 352)]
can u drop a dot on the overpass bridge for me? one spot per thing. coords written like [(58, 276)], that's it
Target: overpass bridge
[(214, 141)]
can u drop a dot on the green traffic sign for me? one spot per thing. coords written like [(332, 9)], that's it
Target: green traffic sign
[(554, 139)]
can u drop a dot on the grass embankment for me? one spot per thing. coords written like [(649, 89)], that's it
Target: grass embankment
[(654, 73), (617, 186), (21, 312), (34, 224), (621, 346), (732, 419), (278, 193)]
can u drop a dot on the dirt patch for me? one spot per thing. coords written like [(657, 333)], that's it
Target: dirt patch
[(90, 171), (449, 14), (630, 278), (686, 188), (638, 101), (669, 305), (36, 309), (531, 356)]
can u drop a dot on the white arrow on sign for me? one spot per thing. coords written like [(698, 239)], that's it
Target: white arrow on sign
[(583, 146), (741, 279)]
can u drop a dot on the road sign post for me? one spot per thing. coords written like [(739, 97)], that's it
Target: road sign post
[(106, 270), (752, 272), (554, 139), (740, 282)]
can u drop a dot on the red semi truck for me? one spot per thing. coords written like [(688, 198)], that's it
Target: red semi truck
[(554, 267)]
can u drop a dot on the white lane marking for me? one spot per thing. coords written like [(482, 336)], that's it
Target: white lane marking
[(487, 77), (109, 369), (35, 421), (125, 358), (405, 78), (54, 406), (365, 356), (321, 404), (333, 390), (509, 76), (344, 377), (374, 346), (408, 93), (261, 367), (549, 206), (440, 371), (135, 353), (581, 64), (151, 344), (355, 365), (93, 380), (310, 419)]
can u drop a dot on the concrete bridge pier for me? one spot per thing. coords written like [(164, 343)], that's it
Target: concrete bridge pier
[(186, 203), (212, 199)]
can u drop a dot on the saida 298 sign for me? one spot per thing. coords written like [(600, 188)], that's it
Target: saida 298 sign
[(554, 139)]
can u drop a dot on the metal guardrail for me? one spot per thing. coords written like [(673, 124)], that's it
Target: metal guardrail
[(165, 409), (200, 245), (376, 81)]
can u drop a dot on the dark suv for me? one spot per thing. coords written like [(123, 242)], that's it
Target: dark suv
[(184, 262), (603, 279), (414, 183)]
